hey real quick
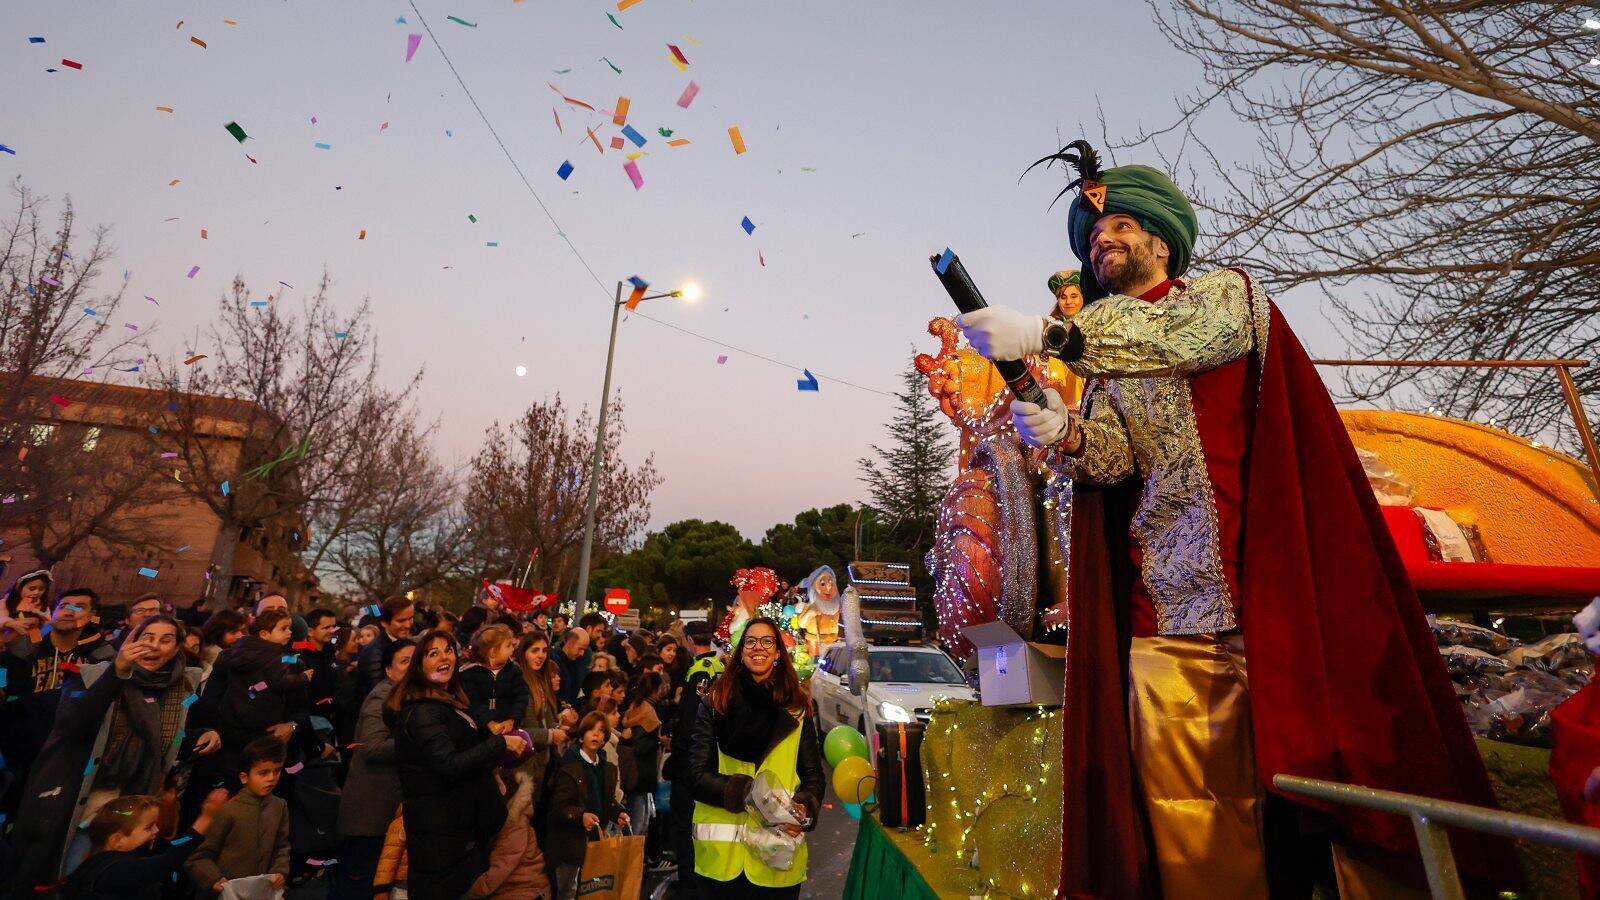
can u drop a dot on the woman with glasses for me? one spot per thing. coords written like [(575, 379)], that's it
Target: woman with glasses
[(756, 718)]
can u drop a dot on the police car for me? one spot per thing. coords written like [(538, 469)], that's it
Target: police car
[(905, 680)]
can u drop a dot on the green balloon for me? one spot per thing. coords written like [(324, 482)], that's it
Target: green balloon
[(842, 743)]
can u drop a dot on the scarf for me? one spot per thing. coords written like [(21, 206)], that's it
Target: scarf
[(754, 722), (144, 721)]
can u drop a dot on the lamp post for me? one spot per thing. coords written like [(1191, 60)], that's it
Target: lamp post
[(600, 442)]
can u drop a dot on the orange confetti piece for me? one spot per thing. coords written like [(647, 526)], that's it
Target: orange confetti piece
[(22, 453), (679, 142), (180, 23), (616, 143), (634, 298), (573, 101), (195, 40), (624, 4), (204, 235), (173, 182), (737, 138), (362, 236), (163, 109), (596, 141), (558, 119), (229, 22), (620, 117), (194, 359)]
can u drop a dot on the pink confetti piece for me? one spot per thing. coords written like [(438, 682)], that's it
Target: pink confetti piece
[(259, 686), (50, 281), (154, 300), (412, 42), (290, 770), (722, 360), (632, 168), (130, 326), (762, 258), (170, 454), (688, 95), (194, 271)]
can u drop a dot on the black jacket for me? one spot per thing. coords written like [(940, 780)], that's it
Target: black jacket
[(565, 837), (452, 808), (369, 664), (727, 791), (135, 874), (495, 696), (251, 689)]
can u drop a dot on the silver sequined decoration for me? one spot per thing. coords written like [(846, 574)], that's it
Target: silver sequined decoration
[(1001, 457)]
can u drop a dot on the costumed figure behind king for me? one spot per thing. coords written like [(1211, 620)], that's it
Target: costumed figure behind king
[(1235, 607), (755, 587), (819, 617)]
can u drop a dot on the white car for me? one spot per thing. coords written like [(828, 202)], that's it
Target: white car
[(904, 683)]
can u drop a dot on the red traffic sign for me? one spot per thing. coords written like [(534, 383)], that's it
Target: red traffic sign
[(617, 600)]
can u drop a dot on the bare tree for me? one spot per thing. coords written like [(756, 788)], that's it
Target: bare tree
[(398, 527), (528, 486), (64, 481), (278, 420), (1432, 167)]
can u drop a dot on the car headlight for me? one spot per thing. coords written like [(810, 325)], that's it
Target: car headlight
[(894, 712)]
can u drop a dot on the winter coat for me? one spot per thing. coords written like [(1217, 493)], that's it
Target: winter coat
[(516, 866), (393, 866), (372, 789), (495, 696), (248, 836), (326, 674), (57, 789), (572, 672), (711, 787), (645, 743), (453, 809), (250, 689), (130, 874), (369, 664), (568, 801)]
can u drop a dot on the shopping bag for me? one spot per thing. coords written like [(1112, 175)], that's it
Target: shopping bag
[(613, 868), (255, 887)]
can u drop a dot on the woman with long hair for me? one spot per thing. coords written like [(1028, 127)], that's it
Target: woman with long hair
[(757, 717), (642, 726), (542, 721), (222, 630), (452, 806)]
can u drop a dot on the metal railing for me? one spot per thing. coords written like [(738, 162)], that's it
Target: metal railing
[(1429, 817), (1569, 389)]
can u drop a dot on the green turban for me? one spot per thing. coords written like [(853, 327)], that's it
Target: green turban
[(1150, 197), (1059, 281)]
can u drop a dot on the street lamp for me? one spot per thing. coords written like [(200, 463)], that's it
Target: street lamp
[(689, 292)]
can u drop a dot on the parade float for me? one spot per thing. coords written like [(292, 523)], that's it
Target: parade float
[(1500, 537)]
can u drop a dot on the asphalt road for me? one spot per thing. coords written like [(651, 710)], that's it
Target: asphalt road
[(831, 846)]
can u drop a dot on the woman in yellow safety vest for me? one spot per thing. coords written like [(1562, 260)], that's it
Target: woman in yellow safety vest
[(756, 718)]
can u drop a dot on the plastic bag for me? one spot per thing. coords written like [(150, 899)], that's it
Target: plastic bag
[(1558, 651), (770, 802), (1465, 634), (1466, 660), (1390, 488), (773, 846), (255, 887)]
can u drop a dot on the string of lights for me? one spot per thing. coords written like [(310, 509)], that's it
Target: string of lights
[(599, 282)]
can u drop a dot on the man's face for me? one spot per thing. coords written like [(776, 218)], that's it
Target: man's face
[(271, 601), (574, 647), (142, 610), (72, 612), (1123, 255), (400, 625), (323, 632)]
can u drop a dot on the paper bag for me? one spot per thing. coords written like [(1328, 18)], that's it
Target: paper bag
[(613, 869), (255, 887)]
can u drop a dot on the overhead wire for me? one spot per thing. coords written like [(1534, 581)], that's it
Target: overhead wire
[(599, 282)]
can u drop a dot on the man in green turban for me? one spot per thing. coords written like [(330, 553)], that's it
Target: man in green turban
[(1219, 487)]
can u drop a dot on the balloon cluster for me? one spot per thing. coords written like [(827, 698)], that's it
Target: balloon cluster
[(853, 779)]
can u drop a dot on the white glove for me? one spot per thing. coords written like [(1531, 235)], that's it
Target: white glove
[(1002, 333), (1588, 623), (1041, 426)]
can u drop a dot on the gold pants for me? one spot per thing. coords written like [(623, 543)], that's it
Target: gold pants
[(1189, 716), (1189, 723)]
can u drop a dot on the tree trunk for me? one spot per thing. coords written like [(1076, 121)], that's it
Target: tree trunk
[(222, 552)]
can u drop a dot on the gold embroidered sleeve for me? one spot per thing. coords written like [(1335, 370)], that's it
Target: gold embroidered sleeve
[(1107, 453), (1205, 326)]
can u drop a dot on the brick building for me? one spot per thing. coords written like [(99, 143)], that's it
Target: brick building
[(110, 425)]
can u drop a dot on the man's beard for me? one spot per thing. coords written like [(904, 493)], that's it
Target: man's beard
[(1136, 267)]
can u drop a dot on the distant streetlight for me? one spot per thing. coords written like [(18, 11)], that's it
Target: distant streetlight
[(689, 292)]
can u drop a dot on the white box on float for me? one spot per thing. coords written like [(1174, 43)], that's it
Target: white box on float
[(1015, 672)]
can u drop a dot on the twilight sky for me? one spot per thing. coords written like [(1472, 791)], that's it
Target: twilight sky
[(917, 119)]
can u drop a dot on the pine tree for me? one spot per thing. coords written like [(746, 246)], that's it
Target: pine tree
[(909, 477)]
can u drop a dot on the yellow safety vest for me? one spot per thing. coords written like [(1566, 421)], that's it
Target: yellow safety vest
[(719, 852)]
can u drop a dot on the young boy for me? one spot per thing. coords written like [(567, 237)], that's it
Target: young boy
[(585, 795), (250, 834), (122, 865), (494, 685)]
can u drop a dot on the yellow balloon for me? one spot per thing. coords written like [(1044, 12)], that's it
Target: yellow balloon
[(853, 780)]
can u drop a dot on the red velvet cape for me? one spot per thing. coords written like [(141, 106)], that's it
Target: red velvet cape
[(1346, 681)]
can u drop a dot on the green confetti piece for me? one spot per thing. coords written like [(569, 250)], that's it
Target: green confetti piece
[(614, 21), (471, 217), (611, 64), (460, 21), (236, 131), (664, 132)]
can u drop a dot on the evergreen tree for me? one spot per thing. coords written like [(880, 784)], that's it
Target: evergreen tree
[(910, 475)]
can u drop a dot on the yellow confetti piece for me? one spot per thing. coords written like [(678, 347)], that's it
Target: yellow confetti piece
[(362, 236), (738, 139), (163, 109), (691, 40), (678, 143), (677, 62), (195, 40), (636, 154)]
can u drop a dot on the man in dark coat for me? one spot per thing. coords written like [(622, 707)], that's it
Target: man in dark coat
[(395, 618)]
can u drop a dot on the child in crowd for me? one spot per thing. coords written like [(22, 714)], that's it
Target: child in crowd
[(250, 834), (496, 691), (584, 796), (122, 865), (516, 866)]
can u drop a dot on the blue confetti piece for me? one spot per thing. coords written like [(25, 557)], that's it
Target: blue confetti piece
[(148, 572), (191, 699), (340, 335), (638, 282), (748, 226), (808, 383), (183, 548), (630, 134), (5, 149), (89, 769), (321, 146), (565, 171), (375, 610), (226, 489), (289, 659), (75, 694), (89, 312), (400, 21), (257, 304), (492, 243), (36, 40), (178, 841), (944, 261), (4, 677)]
